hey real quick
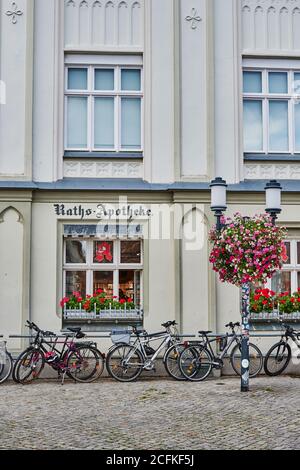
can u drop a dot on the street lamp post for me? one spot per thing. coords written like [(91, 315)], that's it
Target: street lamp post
[(273, 199), (273, 208)]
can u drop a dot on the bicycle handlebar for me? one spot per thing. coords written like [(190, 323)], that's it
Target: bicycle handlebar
[(232, 325), (168, 324), (34, 327)]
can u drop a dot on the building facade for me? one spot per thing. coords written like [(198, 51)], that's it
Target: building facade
[(114, 118)]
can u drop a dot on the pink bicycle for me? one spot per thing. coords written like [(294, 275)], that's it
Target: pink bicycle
[(80, 361)]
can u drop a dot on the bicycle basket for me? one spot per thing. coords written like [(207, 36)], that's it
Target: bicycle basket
[(120, 337)]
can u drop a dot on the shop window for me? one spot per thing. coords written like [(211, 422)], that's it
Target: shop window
[(115, 266)]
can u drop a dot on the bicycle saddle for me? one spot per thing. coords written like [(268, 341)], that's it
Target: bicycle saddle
[(204, 332), (78, 333)]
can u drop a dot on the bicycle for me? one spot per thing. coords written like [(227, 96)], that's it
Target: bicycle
[(82, 362), (6, 363), (279, 355), (125, 362), (198, 358)]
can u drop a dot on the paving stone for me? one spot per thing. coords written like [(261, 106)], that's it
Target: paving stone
[(151, 414)]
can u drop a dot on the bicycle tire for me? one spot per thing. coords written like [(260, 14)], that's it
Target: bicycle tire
[(194, 367), (255, 360), (32, 370), (96, 369), (116, 355), (171, 362), (6, 368), (280, 358)]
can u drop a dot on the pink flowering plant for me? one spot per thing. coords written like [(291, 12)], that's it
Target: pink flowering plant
[(247, 249), (98, 299)]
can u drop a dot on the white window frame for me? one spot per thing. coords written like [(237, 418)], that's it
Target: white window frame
[(265, 66), (91, 63), (293, 267), (90, 267)]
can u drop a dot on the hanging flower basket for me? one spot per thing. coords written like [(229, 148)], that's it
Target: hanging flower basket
[(247, 250)]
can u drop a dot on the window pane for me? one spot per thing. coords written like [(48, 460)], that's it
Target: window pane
[(131, 123), (252, 82), (288, 252), (130, 252), (278, 82), (77, 122), (281, 282), (75, 251), (104, 79), (126, 285), (104, 123), (278, 123), (253, 127), (104, 280), (75, 282), (103, 252), (298, 253), (131, 80), (296, 84), (297, 125), (77, 79)]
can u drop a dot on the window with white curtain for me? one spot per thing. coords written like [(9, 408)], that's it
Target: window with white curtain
[(271, 96), (104, 104)]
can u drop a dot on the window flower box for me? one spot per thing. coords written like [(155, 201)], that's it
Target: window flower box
[(274, 316), (106, 314), (99, 308)]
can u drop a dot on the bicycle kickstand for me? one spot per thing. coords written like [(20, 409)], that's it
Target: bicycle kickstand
[(63, 377)]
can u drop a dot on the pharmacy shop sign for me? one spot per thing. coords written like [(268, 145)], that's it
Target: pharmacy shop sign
[(102, 211)]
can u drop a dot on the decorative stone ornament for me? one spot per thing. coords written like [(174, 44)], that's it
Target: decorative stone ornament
[(193, 18), (14, 12)]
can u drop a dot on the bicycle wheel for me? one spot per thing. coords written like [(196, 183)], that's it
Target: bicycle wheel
[(29, 365), (277, 359), (6, 365), (124, 363), (255, 360), (85, 364), (195, 363), (171, 361)]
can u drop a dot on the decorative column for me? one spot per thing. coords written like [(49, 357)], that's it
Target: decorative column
[(245, 337)]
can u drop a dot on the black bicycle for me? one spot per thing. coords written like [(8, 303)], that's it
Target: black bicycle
[(81, 361), (198, 357), (279, 355)]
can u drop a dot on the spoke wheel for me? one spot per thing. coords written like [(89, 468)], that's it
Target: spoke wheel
[(255, 360), (124, 363), (85, 364), (6, 365), (195, 363), (29, 366), (277, 359), (171, 362)]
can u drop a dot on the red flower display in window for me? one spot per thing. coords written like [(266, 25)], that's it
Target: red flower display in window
[(104, 252)]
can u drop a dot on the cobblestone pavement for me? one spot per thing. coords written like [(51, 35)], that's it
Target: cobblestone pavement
[(151, 414)]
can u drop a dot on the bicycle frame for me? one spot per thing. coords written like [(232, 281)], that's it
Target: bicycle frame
[(140, 342), (207, 344)]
